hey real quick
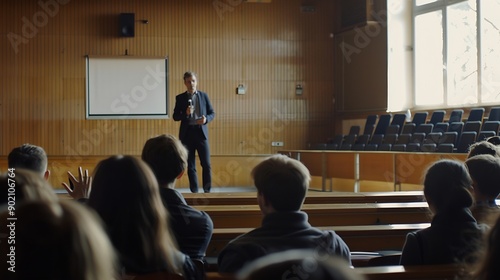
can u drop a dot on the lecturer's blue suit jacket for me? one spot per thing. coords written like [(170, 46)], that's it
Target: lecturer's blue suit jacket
[(181, 103)]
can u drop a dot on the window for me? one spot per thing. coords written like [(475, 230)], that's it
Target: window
[(456, 53)]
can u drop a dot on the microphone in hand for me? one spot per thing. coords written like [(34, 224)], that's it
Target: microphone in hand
[(191, 108)]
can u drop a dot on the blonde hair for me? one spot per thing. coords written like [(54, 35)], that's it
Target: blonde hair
[(27, 186), (61, 240)]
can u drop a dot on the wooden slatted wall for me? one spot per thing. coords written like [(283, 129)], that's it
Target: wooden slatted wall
[(269, 47)]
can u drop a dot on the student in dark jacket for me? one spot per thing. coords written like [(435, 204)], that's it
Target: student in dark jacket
[(282, 185), (454, 235), (125, 195), (192, 228)]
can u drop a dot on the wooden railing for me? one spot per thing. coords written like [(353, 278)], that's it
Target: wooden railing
[(394, 168)]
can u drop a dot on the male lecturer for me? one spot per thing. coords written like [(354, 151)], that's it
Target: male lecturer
[(194, 110)]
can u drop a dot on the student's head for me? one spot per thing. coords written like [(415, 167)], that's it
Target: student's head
[(485, 173), (61, 240), (281, 183), (483, 148), (495, 140), (487, 266), (447, 186), (30, 157), (299, 264), (189, 74), (125, 195), (24, 185), (166, 156), (190, 81)]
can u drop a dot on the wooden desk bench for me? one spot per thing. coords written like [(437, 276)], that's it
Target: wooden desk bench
[(249, 216), (313, 197), (358, 238), (396, 272)]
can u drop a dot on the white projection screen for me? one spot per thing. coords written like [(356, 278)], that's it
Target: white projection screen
[(127, 87)]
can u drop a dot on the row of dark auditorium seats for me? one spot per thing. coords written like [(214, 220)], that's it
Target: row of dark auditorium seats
[(393, 133)]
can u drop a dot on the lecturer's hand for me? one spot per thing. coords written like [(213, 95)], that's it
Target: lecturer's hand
[(202, 120), (82, 187)]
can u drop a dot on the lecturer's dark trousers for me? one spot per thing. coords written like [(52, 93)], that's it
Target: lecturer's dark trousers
[(196, 141)]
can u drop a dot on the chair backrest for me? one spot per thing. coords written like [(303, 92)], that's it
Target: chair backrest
[(382, 124), (390, 138), (419, 118), (449, 137), (354, 130), (445, 148), (441, 127), (374, 142), (472, 126), (370, 122), (428, 147), (483, 135), (403, 139), (456, 127), (336, 142), (417, 137), (348, 142), (437, 116), (398, 119), (408, 128), (456, 115), (466, 139), (476, 114), (425, 128), (433, 138), (363, 139), (491, 126), (494, 114)]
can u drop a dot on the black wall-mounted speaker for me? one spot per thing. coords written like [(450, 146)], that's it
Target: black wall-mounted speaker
[(127, 25)]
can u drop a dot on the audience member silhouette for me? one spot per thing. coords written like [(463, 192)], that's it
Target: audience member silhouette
[(167, 157), (495, 140), (299, 264), (485, 173), (483, 148), (58, 240), (281, 184), (454, 235), (31, 157), (125, 195), (487, 267)]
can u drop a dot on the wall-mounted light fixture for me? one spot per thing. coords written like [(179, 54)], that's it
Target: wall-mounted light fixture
[(299, 89), (241, 89)]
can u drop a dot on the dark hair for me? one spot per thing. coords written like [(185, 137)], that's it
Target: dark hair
[(495, 140), (485, 171), (447, 185), (125, 195), (166, 156), (487, 265), (483, 148), (28, 156), (189, 74), (282, 181)]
